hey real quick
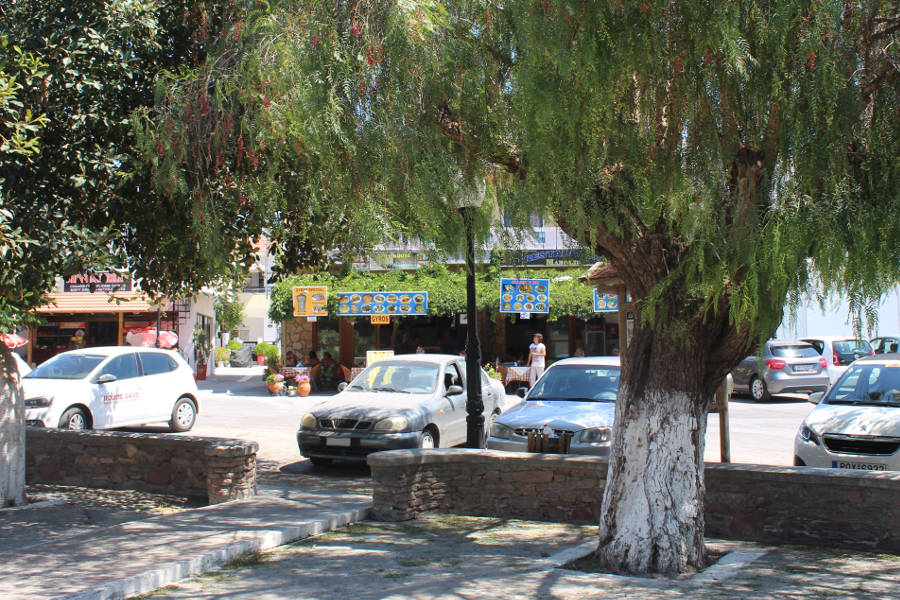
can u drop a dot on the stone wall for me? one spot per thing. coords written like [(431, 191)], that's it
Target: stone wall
[(297, 335), (799, 505), (212, 468)]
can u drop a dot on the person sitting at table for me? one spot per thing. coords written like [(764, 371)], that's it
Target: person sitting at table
[(312, 360), (330, 375), (290, 359)]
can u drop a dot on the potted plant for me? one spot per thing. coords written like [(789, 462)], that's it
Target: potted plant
[(275, 383), (201, 352), (303, 386), (222, 356)]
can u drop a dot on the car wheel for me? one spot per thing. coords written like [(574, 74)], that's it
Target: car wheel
[(758, 390), (318, 461), (184, 414), (428, 440), (73, 418)]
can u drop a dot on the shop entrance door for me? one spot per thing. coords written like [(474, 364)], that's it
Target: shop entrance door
[(103, 333)]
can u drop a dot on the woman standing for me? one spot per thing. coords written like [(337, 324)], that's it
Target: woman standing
[(537, 352)]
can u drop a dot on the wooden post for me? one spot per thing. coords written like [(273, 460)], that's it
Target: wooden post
[(722, 409), (623, 321), (121, 328)]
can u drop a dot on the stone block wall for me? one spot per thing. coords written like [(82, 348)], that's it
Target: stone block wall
[(212, 468), (799, 505), (297, 335)]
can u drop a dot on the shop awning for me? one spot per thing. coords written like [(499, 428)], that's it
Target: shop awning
[(76, 302)]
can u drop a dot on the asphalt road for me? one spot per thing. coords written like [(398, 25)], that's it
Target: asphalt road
[(236, 405)]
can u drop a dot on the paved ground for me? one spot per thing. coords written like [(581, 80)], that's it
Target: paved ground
[(444, 557)]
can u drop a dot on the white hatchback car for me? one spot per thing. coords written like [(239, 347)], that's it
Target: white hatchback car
[(115, 386), (856, 425), (839, 352)]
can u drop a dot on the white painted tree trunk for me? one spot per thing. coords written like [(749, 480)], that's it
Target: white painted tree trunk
[(12, 432), (652, 518)]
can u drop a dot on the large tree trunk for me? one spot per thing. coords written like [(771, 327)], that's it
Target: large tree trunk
[(12, 432), (653, 503)]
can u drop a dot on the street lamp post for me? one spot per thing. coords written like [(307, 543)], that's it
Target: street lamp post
[(475, 437)]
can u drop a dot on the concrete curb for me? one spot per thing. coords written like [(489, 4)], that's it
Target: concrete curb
[(172, 572)]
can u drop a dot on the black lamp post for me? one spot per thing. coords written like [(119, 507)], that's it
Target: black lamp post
[(475, 437)]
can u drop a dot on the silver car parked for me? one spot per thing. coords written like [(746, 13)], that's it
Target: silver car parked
[(786, 367), (411, 401), (575, 396)]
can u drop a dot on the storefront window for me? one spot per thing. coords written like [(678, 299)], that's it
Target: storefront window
[(363, 340), (329, 339), (559, 338)]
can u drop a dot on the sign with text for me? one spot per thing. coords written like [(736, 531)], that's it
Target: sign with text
[(380, 319), (373, 356), (401, 304), (605, 302), (105, 281), (310, 300), (525, 296)]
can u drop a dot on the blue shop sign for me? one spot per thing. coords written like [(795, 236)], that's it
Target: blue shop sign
[(525, 296)]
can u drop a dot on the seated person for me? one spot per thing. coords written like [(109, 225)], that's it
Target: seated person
[(330, 374), (312, 360), (290, 359)]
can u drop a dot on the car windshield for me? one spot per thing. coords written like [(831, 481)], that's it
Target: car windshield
[(868, 384), (794, 351), (852, 347), (67, 366), (586, 383), (410, 378)]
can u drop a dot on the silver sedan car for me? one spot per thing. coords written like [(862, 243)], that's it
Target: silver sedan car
[(575, 396), (410, 401)]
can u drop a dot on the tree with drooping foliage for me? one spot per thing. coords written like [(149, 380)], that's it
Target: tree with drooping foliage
[(720, 156)]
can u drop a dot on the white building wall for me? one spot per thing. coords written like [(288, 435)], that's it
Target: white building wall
[(835, 319)]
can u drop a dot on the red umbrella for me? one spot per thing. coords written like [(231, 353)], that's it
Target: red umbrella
[(12, 340), (146, 337)]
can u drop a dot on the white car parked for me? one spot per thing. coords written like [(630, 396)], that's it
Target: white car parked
[(116, 386), (839, 352), (856, 425)]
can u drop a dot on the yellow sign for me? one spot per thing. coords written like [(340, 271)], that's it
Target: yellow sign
[(376, 355), (380, 319), (310, 300)]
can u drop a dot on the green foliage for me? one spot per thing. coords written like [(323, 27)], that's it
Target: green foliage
[(446, 289), (222, 354), (269, 351), (229, 315), (234, 345), (201, 346)]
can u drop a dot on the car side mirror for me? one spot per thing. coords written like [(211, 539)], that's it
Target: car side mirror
[(521, 392), (816, 397), (342, 386), (454, 389), (106, 378)]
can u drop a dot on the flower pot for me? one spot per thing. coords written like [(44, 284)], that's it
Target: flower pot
[(303, 388), (275, 387), (260, 359), (201, 372)]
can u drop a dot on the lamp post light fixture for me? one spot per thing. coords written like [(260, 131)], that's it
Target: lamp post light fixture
[(468, 203)]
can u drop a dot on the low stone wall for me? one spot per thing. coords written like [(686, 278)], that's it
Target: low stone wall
[(799, 505), (212, 468)]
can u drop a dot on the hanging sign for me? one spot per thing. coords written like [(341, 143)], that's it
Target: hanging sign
[(525, 296), (380, 319), (362, 304), (605, 302), (309, 300)]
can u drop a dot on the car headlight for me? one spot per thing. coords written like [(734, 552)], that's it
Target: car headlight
[(501, 431), (594, 435), (391, 424), (38, 402), (308, 421), (808, 434)]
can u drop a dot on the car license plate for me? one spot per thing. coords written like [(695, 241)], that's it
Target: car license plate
[(336, 441), (804, 368), (840, 464)]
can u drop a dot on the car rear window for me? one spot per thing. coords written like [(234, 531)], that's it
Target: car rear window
[(852, 346), (794, 351)]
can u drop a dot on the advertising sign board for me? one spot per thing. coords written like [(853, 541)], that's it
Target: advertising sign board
[(525, 296), (401, 304)]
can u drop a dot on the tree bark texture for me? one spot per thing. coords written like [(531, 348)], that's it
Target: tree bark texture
[(12, 432), (653, 501)]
